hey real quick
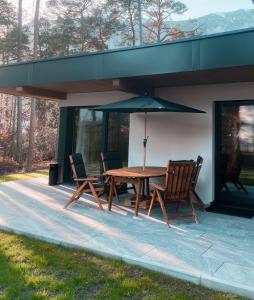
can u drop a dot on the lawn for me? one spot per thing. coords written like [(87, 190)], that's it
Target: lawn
[(247, 177), (20, 176), (32, 269)]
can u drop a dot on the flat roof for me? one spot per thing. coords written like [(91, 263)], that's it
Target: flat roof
[(217, 58)]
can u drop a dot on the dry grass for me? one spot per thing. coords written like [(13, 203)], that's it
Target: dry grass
[(22, 176)]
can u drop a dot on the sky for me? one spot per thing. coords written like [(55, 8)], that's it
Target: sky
[(196, 8)]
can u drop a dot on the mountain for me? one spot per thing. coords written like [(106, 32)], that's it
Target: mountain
[(205, 25), (219, 22)]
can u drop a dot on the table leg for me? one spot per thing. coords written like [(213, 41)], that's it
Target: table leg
[(147, 188), (138, 196), (111, 191)]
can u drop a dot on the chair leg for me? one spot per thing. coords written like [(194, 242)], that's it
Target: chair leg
[(73, 199), (111, 192), (76, 195), (163, 208), (95, 195), (101, 193), (151, 204), (198, 201), (242, 187), (193, 211), (226, 187)]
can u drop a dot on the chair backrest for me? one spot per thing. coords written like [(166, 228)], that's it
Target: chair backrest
[(77, 166), (111, 160), (196, 171), (178, 180)]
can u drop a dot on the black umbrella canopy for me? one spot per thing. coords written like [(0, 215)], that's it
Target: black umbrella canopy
[(146, 104)]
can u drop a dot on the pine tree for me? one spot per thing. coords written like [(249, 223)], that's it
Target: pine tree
[(78, 10), (158, 14), (58, 38), (129, 12)]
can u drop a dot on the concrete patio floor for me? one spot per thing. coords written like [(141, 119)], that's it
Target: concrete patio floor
[(218, 253)]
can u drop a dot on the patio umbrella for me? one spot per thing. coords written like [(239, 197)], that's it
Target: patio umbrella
[(145, 104)]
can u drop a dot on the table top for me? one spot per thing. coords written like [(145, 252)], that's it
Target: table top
[(138, 172)]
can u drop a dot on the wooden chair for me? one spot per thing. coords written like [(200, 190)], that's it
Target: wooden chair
[(112, 160), (196, 172), (84, 183), (177, 188)]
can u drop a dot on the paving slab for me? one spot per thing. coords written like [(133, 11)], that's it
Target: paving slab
[(236, 273), (217, 253)]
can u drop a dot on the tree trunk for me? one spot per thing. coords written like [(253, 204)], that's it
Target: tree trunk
[(36, 29), (132, 24), (18, 152), (33, 101), (31, 136), (140, 23), (82, 32), (13, 135)]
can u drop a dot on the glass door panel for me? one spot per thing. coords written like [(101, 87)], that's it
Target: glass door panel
[(236, 153), (88, 137), (118, 134), (94, 132)]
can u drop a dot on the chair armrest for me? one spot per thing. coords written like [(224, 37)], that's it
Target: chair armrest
[(86, 179), (157, 187)]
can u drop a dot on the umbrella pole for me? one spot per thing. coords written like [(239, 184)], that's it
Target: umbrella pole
[(145, 142)]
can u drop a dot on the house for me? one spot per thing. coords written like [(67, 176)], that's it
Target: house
[(213, 73)]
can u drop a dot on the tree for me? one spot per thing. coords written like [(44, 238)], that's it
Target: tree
[(11, 46), (57, 38), (7, 15), (33, 101), (78, 10), (84, 24), (7, 23), (158, 14), (102, 25), (19, 99), (129, 14), (14, 120)]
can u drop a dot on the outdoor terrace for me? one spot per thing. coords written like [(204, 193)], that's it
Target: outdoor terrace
[(218, 253)]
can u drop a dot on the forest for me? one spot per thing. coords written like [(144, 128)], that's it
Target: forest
[(29, 127)]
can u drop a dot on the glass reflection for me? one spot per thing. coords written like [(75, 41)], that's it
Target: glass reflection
[(88, 133), (237, 152)]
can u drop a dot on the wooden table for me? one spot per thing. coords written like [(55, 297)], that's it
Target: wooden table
[(134, 175)]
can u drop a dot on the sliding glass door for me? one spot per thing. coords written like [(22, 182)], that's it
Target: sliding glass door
[(95, 132), (235, 153)]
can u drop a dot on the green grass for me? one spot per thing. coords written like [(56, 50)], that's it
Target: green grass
[(247, 177), (32, 269), (20, 176)]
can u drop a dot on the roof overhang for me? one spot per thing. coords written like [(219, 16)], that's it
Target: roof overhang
[(217, 58)]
